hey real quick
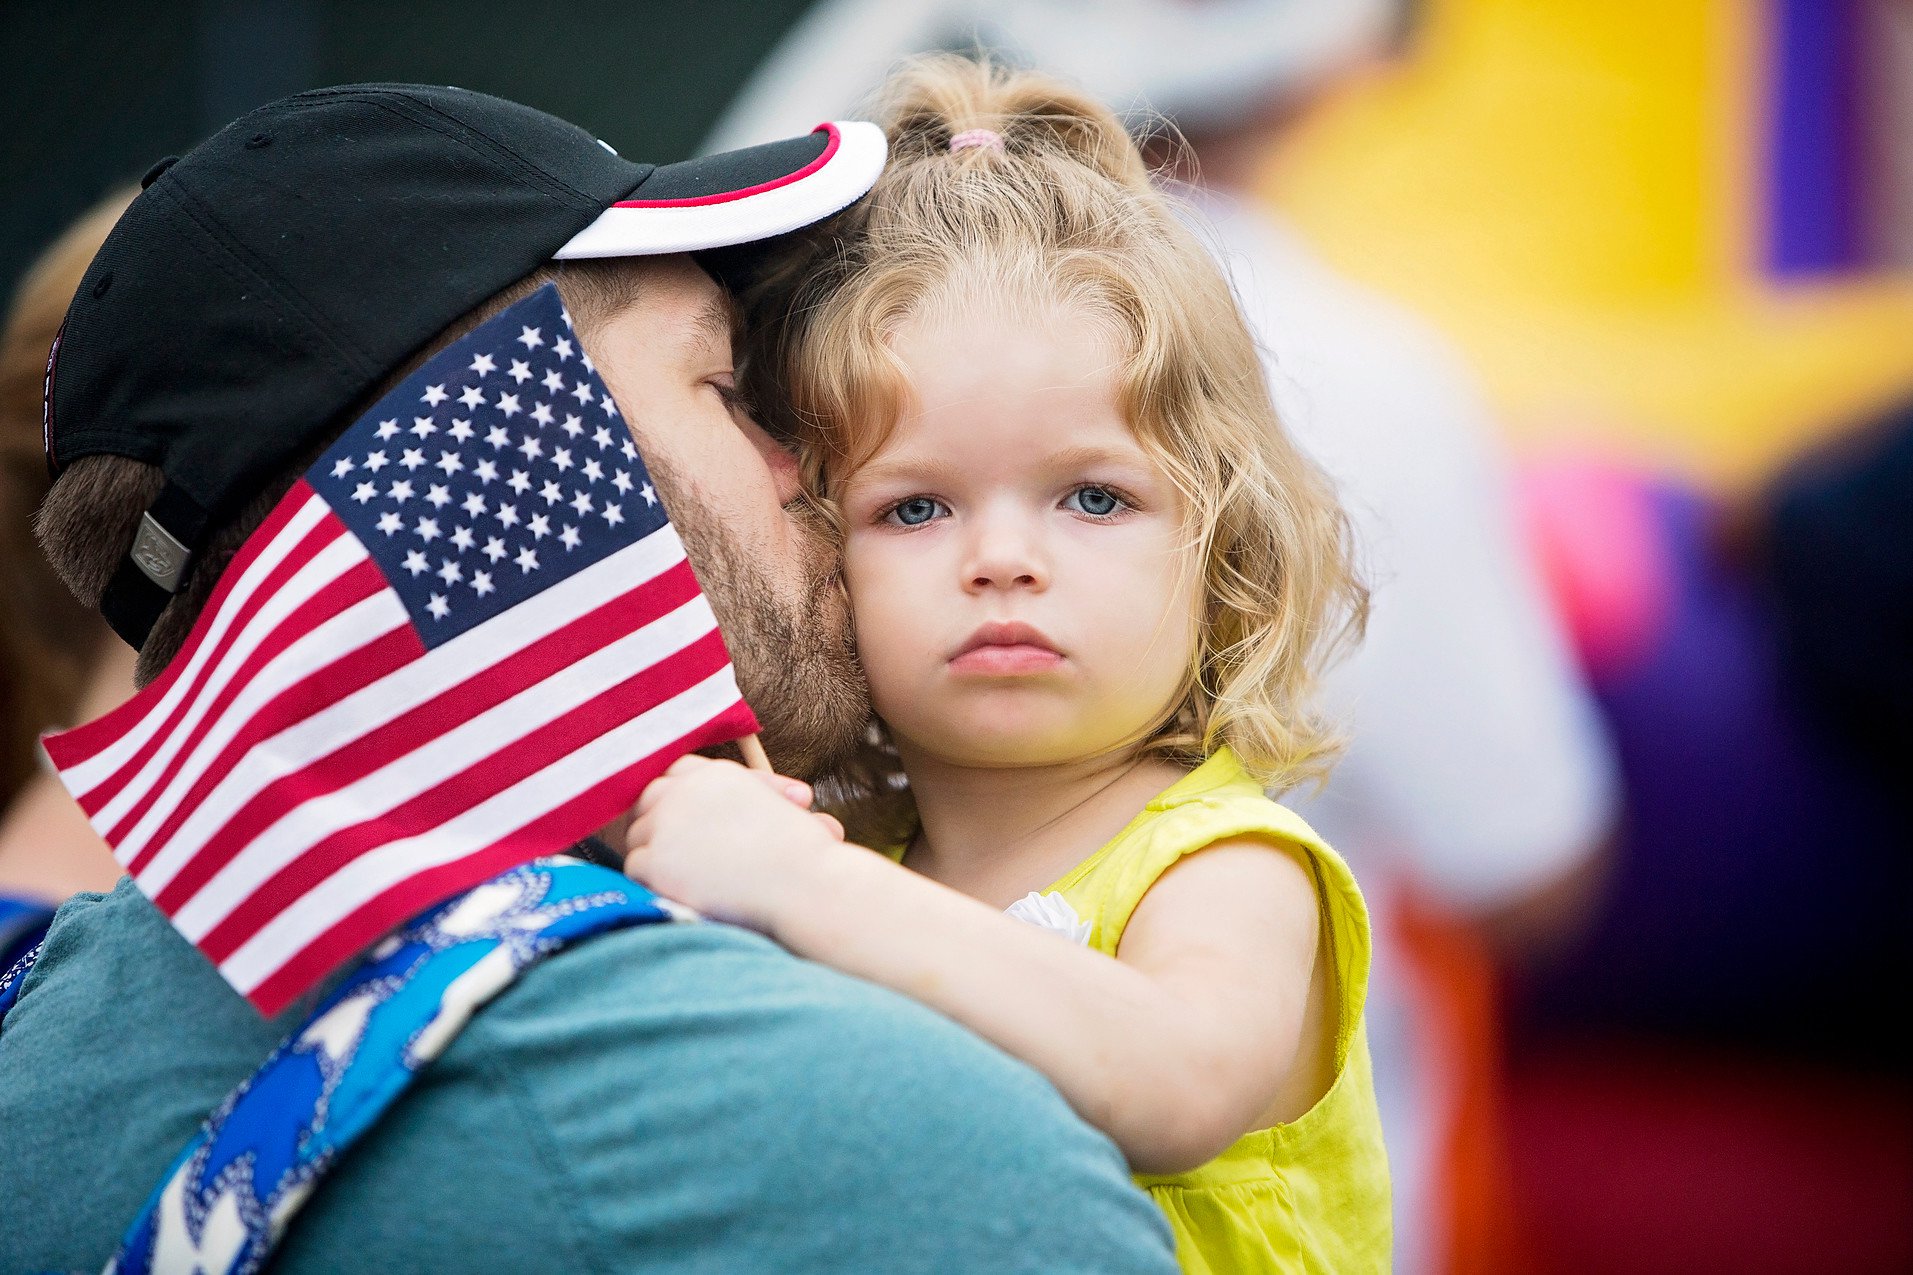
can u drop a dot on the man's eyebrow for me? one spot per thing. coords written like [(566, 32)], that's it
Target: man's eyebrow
[(716, 322)]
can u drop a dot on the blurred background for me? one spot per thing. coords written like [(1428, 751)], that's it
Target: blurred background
[(1600, 312)]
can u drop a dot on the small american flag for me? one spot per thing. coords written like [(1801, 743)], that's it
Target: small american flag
[(467, 637)]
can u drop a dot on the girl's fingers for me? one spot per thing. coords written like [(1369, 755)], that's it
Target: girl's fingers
[(796, 791), (831, 825), (653, 794)]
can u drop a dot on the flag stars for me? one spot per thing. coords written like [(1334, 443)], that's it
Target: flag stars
[(438, 496), (539, 526), (342, 466), (650, 496), (507, 515), (416, 564), (527, 560), (551, 493), (438, 606), (629, 452), (450, 463), (593, 471), (426, 530), (520, 481), (520, 371), (386, 429), (582, 391), (375, 461), (562, 459), (434, 395), (562, 348), (412, 458), (532, 448), (483, 364), (581, 504), (586, 360), (610, 408), (542, 414), (573, 426), (554, 383), (472, 396), (485, 471), (364, 492), (422, 426), (400, 491), (497, 436), (461, 431), (482, 583), (451, 572), (474, 505), (622, 481), (508, 404), (601, 436), (390, 522), (613, 514), (462, 539), (531, 338), (494, 548)]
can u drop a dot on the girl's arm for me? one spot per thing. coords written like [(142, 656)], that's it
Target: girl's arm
[(1189, 1040)]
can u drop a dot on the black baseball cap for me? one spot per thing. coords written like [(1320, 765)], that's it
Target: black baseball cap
[(267, 281)]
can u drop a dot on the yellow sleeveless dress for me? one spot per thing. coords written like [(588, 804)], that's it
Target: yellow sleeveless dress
[(1311, 1195)]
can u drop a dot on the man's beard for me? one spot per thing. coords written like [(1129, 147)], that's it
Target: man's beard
[(795, 656)]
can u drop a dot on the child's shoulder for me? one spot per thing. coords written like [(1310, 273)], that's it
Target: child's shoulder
[(1216, 804)]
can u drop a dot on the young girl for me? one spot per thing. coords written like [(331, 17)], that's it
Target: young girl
[(1092, 582)]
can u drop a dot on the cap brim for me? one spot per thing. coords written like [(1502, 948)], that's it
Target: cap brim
[(738, 196)]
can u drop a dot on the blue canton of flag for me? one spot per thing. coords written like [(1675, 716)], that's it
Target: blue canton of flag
[(498, 477)]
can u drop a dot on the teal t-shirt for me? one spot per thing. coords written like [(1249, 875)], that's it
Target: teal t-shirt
[(672, 1098)]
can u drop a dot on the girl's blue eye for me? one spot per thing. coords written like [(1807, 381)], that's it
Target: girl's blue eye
[(916, 511), (1097, 502)]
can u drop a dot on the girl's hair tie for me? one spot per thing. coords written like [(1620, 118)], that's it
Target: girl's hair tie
[(973, 137)]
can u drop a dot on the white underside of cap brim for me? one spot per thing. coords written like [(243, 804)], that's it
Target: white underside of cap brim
[(836, 184)]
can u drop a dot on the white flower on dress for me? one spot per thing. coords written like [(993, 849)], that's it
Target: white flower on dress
[(1050, 912)]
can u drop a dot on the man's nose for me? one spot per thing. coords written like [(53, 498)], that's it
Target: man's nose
[(1005, 553)]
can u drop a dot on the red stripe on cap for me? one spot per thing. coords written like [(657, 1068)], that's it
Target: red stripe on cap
[(727, 196)]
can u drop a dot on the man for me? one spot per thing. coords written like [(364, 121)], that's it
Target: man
[(668, 1098)]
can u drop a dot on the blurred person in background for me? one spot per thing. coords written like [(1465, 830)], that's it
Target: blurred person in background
[(1479, 784), (59, 664)]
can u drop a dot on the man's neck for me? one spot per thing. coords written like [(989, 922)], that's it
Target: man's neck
[(998, 833)]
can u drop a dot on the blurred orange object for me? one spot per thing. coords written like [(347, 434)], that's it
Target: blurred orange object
[(1476, 1210)]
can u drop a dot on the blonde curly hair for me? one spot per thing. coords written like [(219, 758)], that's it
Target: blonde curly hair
[(1064, 213)]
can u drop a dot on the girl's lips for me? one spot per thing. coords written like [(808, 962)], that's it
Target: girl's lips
[(994, 660), (1002, 648)]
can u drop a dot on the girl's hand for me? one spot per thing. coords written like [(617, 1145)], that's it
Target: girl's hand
[(737, 845)]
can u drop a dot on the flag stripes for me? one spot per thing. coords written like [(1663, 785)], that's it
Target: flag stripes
[(453, 646)]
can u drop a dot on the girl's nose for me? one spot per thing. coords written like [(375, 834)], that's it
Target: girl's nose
[(1004, 555)]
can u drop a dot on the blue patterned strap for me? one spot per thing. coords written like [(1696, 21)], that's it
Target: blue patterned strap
[(226, 1202), (23, 924)]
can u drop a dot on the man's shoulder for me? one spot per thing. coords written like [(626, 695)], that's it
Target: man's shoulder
[(669, 1097), (713, 1009), (691, 1080)]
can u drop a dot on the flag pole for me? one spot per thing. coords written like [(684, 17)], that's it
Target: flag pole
[(753, 751)]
